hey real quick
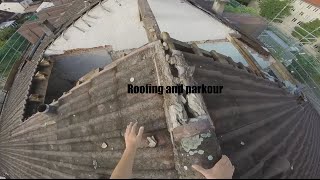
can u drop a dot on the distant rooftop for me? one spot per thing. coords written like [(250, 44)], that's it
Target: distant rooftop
[(123, 15), (313, 2)]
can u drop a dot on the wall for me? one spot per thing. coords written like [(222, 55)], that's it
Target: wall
[(301, 12)]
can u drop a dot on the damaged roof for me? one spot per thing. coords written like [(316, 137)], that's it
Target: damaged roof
[(244, 122), (84, 139), (95, 112)]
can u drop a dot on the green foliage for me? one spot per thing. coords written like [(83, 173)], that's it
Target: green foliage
[(241, 9), (10, 51), (270, 8), (12, 46), (303, 35), (305, 68), (5, 34)]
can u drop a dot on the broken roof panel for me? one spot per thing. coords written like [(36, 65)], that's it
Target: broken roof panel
[(70, 67)]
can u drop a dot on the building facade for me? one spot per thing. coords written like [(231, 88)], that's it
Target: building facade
[(303, 11)]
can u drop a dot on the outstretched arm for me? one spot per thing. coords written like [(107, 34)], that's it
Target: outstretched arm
[(124, 168)]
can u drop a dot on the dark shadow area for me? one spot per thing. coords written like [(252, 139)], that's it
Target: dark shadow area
[(69, 68)]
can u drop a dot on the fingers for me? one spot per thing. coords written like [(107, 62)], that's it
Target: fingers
[(232, 169), (134, 129), (199, 169), (226, 164), (141, 129), (131, 129), (224, 160), (227, 161), (128, 130)]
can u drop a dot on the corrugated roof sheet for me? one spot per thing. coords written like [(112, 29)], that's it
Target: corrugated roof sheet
[(249, 117), (255, 121), (69, 144)]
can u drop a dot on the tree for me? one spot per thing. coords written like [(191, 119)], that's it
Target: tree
[(241, 9), (306, 31), (270, 8), (5, 34)]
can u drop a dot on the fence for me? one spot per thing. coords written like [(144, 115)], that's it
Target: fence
[(299, 62), (10, 52)]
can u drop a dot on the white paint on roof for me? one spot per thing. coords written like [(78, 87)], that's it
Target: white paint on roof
[(186, 22), (14, 7), (44, 5), (121, 28)]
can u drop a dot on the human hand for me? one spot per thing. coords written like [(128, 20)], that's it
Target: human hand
[(222, 170), (131, 138)]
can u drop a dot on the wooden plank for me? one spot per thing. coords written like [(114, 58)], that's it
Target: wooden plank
[(196, 49), (149, 21), (247, 56)]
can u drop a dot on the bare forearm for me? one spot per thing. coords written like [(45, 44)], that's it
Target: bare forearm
[(124, 168)]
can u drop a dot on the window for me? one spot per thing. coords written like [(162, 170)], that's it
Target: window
[(309, 6), (292, 9), (316, 9), (299, 23), (301, 14), (294, 20)]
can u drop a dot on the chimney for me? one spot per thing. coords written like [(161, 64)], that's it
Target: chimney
[(218, 6), (47, 27)]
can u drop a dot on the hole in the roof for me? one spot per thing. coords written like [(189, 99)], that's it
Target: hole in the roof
[(73, 69), (174, 71), (43, 107), (58, 74)]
